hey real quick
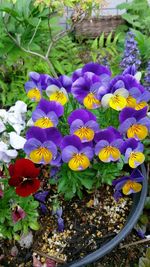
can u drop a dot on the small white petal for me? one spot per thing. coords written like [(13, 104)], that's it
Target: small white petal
[(105, 100), (138, 76), (3, 115), (12, 153), (30, 123), (2, 126), (3, 146), (52, 89), (16, 140), (122, 92)]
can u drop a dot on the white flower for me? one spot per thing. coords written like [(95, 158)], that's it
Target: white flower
[(2, 126), (15, 116), (7, 154), (16, 141)]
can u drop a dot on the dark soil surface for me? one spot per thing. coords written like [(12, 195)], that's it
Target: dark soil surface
[(89, 223)]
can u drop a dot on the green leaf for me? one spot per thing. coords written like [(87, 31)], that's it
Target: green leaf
[(34, 225), (87, 182), (101, 40)]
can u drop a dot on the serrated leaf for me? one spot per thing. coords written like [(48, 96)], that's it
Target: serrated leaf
[(87, 182)]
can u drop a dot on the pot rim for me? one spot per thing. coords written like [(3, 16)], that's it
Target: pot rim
[(136, 210)]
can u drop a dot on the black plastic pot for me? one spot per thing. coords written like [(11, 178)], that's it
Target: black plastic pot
[(136, 210)]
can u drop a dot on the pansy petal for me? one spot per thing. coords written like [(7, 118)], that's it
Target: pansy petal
[(136, 159), (16, 140), (88, 151), (68, 152), (31, 144), (122, 92), (105, 100), (79, 162)]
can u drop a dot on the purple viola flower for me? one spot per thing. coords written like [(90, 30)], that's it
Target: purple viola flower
[(134, 123), (37, 82), (75, 153), (47, 113), (132, 150), (89, 89), (134, 93), (131, 52), (41, 144), (41, 197), (128, 184), (102, 71), (58, 89), (60, 221), (83, 124), (108, 144), (147, 77)]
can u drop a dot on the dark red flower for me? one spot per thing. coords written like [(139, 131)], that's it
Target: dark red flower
[(24, 177)]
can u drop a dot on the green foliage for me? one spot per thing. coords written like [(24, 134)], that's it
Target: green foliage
[(145, 261), (138, 14), (109, 48), (110, 115), (65, 56), (8, 229), (71, 183)]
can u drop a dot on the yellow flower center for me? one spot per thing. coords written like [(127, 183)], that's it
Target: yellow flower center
[(44, 123), (79, 162), (91, 102), (60, 97), (40, 154), (109, 153), (34, 94), (137, 131), (85, 134)]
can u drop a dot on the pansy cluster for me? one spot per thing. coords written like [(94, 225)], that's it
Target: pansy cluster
[(93, 88)]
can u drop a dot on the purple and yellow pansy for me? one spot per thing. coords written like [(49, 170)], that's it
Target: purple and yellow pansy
[(47, 114), (134, 123), (37, 82), (108, 143), (75, 153), (133, 152), (128, 184), (41, 145), (83, 124), (90, 83)]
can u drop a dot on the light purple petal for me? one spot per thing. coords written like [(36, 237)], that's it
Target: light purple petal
[(31, 145), (117, 143), (92, 125), (100, 145), (126, 124), (57, 161), (51, 147), (37, 114), (75, 125), (68, 152), (146, 122), (88, 151), (144, 97)]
